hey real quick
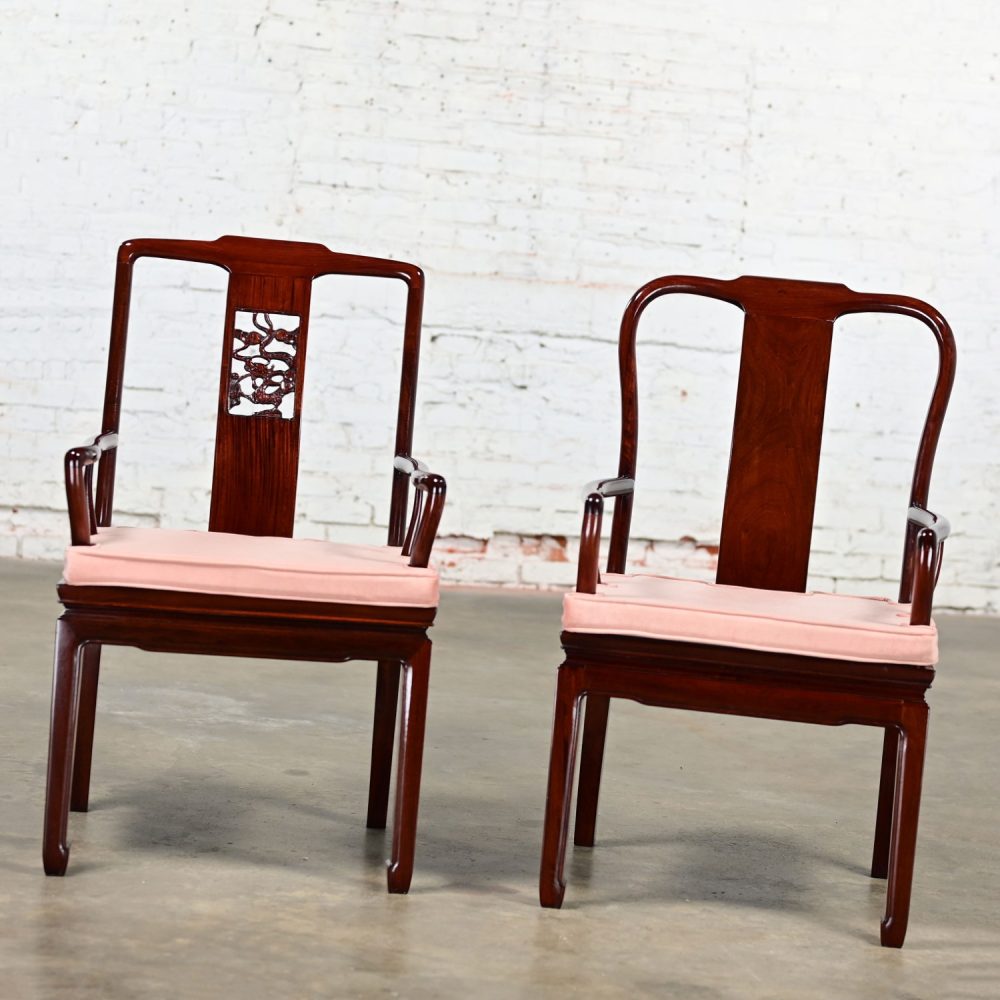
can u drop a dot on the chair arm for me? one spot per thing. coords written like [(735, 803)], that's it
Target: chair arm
[(929, 533), (411, 466), (921, 518), (428, 504), (588, 575), (79, 466), (619, 486)]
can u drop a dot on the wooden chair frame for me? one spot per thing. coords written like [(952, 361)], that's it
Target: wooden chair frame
[(765, 540), (254, 485)]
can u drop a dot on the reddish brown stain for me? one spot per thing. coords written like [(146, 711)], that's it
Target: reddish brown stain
[(712, 550)]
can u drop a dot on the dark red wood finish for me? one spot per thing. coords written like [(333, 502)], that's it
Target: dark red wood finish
[(765, 538), (254, 484)]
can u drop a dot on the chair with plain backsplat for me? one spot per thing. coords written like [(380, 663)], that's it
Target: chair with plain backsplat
[(754, 643), (245, 587)]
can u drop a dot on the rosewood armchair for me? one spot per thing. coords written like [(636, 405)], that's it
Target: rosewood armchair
[(755, 643), (215, 592)]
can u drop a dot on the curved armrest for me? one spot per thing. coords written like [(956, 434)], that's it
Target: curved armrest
[(617, 487), (411, 466), (79, 465), (428, 505), (928, 533), (588, 575), (921, 518)]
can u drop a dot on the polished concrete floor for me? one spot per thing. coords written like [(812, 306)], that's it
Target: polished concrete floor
[(225, 854)]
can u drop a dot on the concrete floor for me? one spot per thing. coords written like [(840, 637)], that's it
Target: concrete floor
[(226, 856)]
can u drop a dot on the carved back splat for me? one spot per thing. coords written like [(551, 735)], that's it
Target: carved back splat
[(262, 373), (257, 455), (777, 431)]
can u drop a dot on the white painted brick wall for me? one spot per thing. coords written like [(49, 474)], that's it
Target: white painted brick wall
[(540, 160)]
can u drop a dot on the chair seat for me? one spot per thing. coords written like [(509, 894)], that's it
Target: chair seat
[(214, 562), (836, 626)]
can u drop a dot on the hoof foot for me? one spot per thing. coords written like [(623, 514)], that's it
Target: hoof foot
[(550, 894), (55, 859), (399, 881), (893, 933)]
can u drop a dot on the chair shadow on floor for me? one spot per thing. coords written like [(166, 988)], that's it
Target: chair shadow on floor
[(468, 844), (191, 815), (710, 864)]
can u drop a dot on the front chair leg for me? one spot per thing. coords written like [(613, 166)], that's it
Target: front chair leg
[(416, 676), (386, 697), (551, 887), (62, 739), (90, 670), (905, 813), (883, 816), (595, 729)]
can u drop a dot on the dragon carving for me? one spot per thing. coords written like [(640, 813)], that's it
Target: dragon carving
[(263, 371)]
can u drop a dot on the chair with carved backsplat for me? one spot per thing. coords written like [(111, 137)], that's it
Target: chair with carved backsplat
[(754, 643), (222, 592)]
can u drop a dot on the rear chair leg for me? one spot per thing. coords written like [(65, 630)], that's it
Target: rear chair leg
[(886, 791), (416, 677), (551, 887), (90, 670), (905, 813), (62, 738), (386, 697), (595, 729)]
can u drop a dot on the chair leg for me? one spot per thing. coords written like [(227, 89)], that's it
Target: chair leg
[(905, 813), (883, 816), (90, 670), (595, 729), (62, 739), (386, 698), (551, 887), (416, 675)]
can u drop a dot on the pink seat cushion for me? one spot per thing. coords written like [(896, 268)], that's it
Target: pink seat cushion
[(213, 562), (838, 626)]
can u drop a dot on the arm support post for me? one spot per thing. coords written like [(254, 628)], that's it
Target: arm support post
[(622, 488), (925, 537), (79, 466), (428, 505), (588, 575)]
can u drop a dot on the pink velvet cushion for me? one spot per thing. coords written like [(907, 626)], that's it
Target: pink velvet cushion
[(213, 562), (838, 626)]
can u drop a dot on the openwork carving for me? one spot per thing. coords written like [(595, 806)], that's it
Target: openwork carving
[(262, 377)]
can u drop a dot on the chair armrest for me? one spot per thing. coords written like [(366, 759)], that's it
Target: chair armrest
[(411, 466), (928, 532), (588, 575), (619, 486), (932, 522), (428, 505), (79, 466)]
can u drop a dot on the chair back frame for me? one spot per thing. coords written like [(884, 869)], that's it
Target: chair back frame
[(257, 454), (770, 496)]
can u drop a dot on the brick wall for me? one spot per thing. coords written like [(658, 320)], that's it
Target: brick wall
[(540, 160)]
